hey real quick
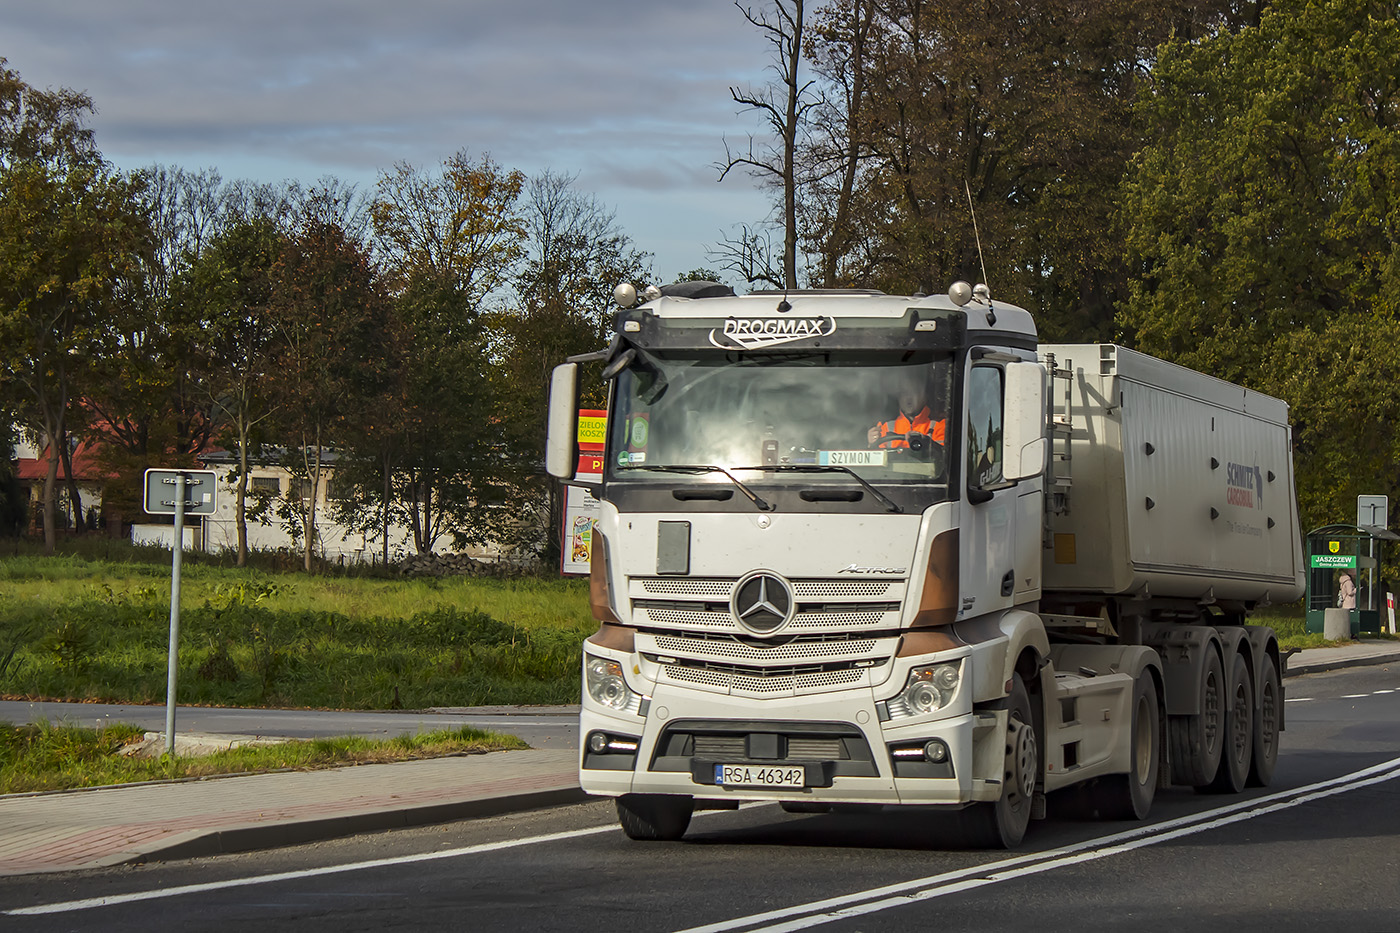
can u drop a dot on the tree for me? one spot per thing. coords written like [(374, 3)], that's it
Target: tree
[(70, 234), (328, 309), (43, 127), (1263, 225), (1021, 109), (228, 289), (148, 398), (449, 240), (784, 109), (576, 257)]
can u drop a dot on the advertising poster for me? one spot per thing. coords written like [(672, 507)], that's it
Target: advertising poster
[(580, 506)]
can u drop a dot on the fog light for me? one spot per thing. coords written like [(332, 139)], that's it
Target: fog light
[(936, 751), (597, 742)]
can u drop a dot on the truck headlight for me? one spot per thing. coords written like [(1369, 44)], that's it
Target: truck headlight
[(930, 688), (606, 685)]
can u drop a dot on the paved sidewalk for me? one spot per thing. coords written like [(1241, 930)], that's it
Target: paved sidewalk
[(136, 823)]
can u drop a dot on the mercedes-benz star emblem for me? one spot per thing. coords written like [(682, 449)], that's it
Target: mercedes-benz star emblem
[(762, 602)]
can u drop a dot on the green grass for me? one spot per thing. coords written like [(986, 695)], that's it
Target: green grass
[(45, 757), (72, 628)]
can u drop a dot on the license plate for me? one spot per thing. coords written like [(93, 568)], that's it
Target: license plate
[(759, 776)]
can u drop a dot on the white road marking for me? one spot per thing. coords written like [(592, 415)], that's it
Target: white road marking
[(817, 913), (863, 901), (115, 899)]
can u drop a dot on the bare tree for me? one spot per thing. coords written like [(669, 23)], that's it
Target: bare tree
[(784, 108)]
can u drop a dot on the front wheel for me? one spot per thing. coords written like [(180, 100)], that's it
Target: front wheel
[(1002, 825), (654, 816), (1129, 796)]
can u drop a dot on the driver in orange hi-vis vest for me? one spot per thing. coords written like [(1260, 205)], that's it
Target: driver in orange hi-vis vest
[(914, 417)]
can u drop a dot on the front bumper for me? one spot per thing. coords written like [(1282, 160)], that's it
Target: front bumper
[(847, 753)]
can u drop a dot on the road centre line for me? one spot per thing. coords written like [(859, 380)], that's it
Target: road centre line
[(857, 904), (969, 877)]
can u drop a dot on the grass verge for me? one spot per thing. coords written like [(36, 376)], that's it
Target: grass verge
[(46, 757), (82, 630)]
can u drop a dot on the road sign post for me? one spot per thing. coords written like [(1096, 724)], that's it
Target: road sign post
[(173, 492)]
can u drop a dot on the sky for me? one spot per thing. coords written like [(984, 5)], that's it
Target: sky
[(631, 96)]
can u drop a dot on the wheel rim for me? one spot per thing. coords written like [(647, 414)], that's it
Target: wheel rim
[(1211, 712), (1268, 719), (1020, 762), (1241, 735)]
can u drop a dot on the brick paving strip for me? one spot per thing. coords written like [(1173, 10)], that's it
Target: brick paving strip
[(117, 825)]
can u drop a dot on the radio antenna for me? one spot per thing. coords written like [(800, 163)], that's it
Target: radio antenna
[(975, 235), (984, 287)]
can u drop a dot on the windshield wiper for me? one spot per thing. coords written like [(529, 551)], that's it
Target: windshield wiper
[(762, 504), (890, 504)]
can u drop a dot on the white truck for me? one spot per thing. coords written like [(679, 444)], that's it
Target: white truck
[(811, 591)]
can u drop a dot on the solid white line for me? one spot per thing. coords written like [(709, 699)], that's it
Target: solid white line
[(1075, 859), (135, 896), (862, 902)]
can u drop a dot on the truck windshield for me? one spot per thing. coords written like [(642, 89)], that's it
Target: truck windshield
[(884, 417)]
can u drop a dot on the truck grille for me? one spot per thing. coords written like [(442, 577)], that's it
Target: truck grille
[(804, 589), (822, 605), (720, 747), (805, 648), (763, 681)]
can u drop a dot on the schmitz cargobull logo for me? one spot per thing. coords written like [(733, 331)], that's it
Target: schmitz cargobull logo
[(744, 333), (1244, 485)]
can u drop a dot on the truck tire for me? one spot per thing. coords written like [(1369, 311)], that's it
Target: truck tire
[(1129, 796), (1002, 825), (1267, 717), (1196, 740), (1238, 752), (654, 816)]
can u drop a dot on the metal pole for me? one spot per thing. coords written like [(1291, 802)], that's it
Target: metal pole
[(175, 554)]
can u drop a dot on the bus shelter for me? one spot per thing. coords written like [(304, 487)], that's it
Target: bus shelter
[(1344, 564)]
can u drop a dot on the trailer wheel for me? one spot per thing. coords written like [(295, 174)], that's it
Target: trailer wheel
[(1266, 730), (1129, 796), (1196, 740), (1230, 777), (654, 816), (1002, 825)]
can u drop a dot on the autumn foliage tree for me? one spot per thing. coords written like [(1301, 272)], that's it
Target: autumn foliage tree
[(448, 240)]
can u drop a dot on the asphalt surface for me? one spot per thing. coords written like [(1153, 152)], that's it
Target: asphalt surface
[(138, 823)]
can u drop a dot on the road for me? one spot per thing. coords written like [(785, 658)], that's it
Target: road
[(543, 727), (1318, 847)]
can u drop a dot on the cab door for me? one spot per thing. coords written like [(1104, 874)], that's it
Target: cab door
[(988, 576)]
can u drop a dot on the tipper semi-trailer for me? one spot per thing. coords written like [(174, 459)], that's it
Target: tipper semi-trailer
[(858, 550)]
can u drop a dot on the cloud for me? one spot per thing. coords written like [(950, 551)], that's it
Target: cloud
[(631, 94)]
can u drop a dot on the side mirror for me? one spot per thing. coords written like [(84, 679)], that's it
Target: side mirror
[(561, 450), (1024, 445)]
